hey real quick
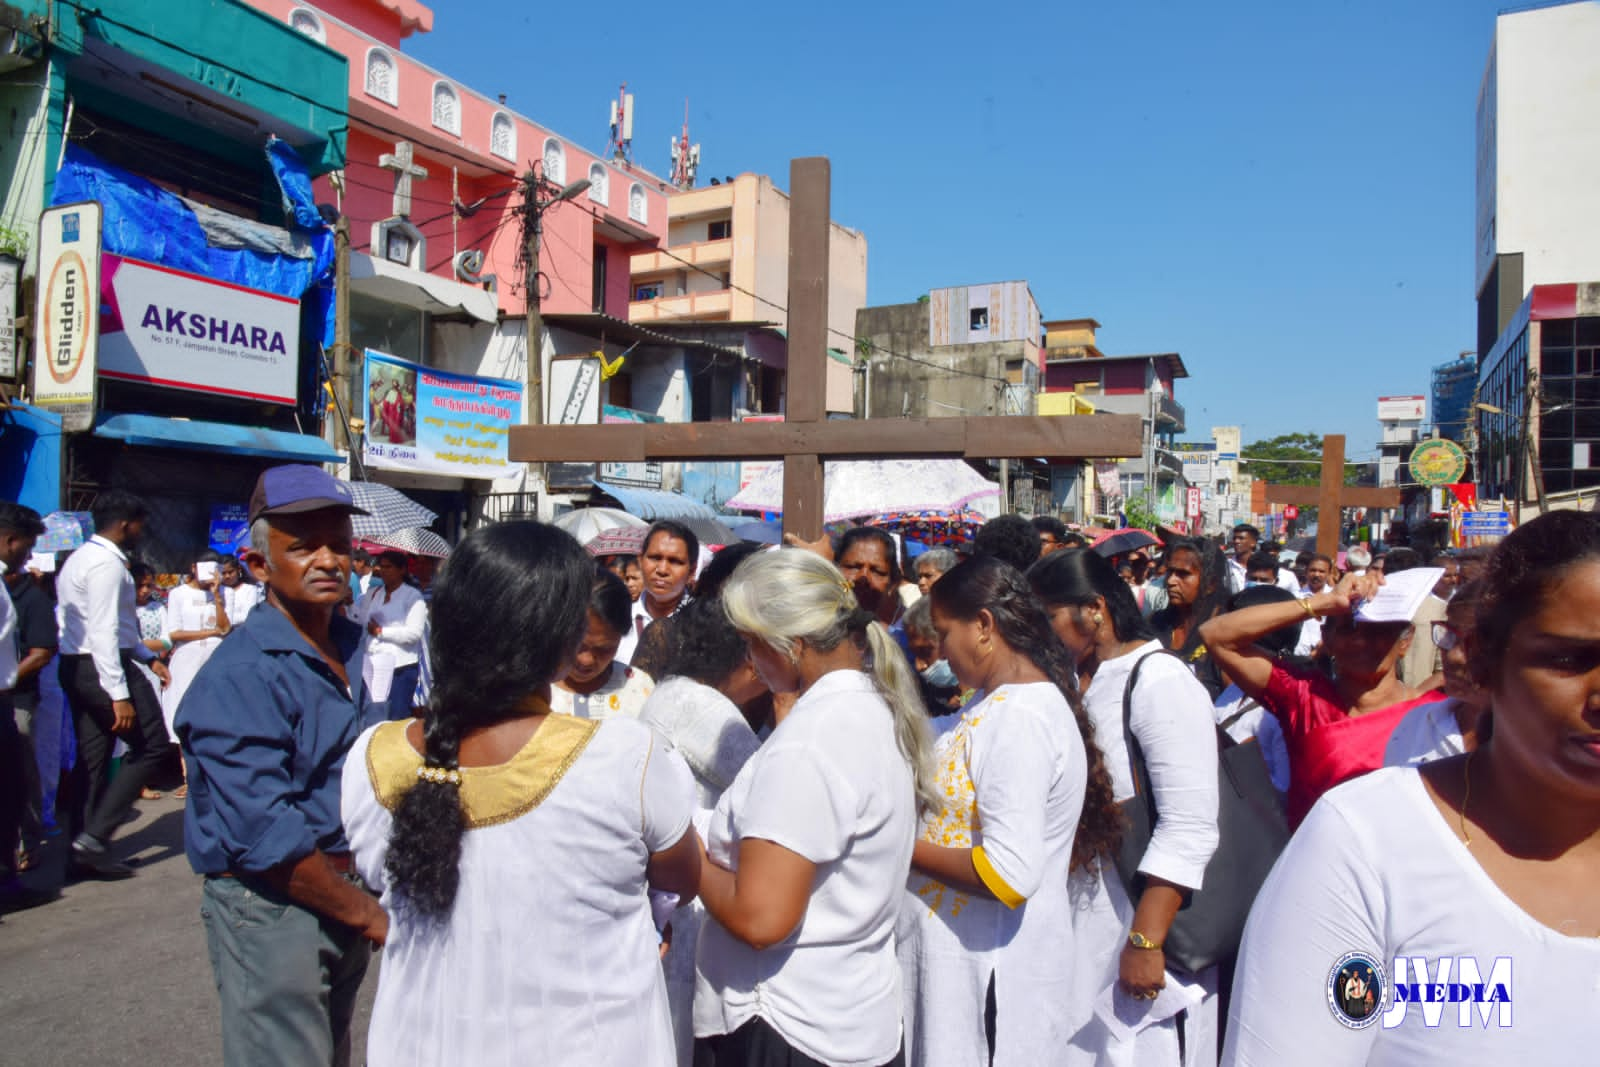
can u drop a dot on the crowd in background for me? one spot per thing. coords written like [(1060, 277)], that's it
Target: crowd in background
[(1010, 801)]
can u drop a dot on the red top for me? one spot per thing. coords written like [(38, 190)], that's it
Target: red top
[(1326, 745)]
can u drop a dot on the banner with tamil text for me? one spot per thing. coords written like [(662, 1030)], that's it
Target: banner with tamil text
[(435, 422)]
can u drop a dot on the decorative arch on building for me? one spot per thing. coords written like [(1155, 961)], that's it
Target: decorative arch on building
[(599, 183), (446, 108), (503, 136), (304, 20), (638, 204), (555, 162), (383, 77)]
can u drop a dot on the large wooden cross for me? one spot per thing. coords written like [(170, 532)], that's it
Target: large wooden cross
[(1329, 498), (808, 436)]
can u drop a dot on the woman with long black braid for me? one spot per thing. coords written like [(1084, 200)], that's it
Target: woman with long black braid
[(986, 931), (513, 846)]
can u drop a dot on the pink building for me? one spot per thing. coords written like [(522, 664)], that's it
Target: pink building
[(432, 190)]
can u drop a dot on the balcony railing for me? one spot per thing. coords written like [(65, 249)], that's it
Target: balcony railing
[(1170, 414), (691, 306), (707, 254)]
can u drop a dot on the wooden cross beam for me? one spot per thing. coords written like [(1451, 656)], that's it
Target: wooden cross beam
[(1331, 497), (807, 436)]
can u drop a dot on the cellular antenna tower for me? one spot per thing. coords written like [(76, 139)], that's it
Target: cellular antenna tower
[(622, 126), (685, 157)]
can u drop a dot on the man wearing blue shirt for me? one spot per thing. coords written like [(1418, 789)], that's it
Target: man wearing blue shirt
[(264, 728)]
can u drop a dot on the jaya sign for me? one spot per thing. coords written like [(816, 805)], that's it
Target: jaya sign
[(419, 419), (166, 327), (64, 320)]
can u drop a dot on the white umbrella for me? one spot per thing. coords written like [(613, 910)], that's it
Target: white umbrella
[(585, 524), (857, 487)]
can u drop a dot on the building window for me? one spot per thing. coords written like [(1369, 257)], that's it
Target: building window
[(719, 231), (650, 291), (555, 162), (383, 77), (638, 207), (304, 20), (503, 136), (598, 281), (446, 108), (978, 319), (599, 183)]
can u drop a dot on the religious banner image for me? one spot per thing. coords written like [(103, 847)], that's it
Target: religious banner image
[(420, 419)]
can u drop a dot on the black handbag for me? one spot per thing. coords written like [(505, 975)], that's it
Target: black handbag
[(1252, 832)]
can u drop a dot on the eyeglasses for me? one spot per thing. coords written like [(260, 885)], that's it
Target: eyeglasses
[(1445, 636)]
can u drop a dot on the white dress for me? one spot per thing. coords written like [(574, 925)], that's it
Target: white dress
[(188, 608), (624, 693), (1013, 771), (708, 731), (1376, 869), (550, 955), (831, 785), (1173, 720)]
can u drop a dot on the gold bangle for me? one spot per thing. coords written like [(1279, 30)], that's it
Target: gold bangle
[(1138, 940), (1305, 602)]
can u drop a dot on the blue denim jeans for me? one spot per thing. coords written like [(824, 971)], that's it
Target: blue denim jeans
[(287, 979)]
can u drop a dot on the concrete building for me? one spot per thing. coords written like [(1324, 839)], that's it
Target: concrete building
[(154, 119), (726, 259), (1451, 391), (1538, 254), (1140, 385)]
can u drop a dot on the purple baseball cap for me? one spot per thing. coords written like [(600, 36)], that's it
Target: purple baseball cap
[(298, 487)]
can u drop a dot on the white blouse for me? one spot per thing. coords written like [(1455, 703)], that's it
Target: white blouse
[(1377, 870), (1428, 732), (550, 955), (1013, 772), (624, 693), (403, 619), (831, 785)]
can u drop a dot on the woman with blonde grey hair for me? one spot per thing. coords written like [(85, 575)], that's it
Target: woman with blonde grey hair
[(807, 849)]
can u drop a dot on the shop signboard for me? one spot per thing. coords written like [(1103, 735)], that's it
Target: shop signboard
[(10, 274), (167, 327), (66, 336), (229, 529), (434, 422)]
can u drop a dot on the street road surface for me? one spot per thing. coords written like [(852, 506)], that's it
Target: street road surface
[(116, 972)]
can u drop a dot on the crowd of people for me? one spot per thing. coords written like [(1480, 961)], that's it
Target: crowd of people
[(826, 804)]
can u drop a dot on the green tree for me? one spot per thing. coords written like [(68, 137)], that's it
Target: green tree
[(1138, 515), (1289, 459)]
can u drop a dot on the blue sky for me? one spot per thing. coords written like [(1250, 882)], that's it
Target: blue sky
[(1282, 193)]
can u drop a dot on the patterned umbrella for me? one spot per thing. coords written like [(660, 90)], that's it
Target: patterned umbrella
[(64, 531), (618, 541), (389, 510), (932, 527), (414, 541)]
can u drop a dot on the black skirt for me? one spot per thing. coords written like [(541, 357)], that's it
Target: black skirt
[(756, 1044)]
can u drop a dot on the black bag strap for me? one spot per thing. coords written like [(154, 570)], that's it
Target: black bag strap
[(1246, 706), (1136, 766)]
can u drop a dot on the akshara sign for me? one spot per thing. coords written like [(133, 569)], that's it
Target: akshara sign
[(66, 328), (167, 327)]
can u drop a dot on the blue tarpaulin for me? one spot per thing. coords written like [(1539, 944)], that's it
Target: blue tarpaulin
[(154, 431), (143, 221)]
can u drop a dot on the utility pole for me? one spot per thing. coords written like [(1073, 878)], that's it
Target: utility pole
[(532, 233), (345, 386)]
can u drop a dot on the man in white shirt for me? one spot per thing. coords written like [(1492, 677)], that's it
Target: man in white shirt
[(395, 617), (1245, 540), (109, 696), (1319, 579)]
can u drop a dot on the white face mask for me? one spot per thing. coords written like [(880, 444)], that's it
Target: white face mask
[(940, 676)]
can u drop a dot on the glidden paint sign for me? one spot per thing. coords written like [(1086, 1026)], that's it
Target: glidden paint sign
[(64, 353), (167, 327)]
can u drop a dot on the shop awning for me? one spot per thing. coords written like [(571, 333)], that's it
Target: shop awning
[(399, 284), (155, 431), (655, 503)]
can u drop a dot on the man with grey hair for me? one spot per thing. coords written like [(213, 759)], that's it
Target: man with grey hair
[(265, 727)]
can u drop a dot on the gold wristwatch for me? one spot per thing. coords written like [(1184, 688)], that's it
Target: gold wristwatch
[(1138, 940)]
